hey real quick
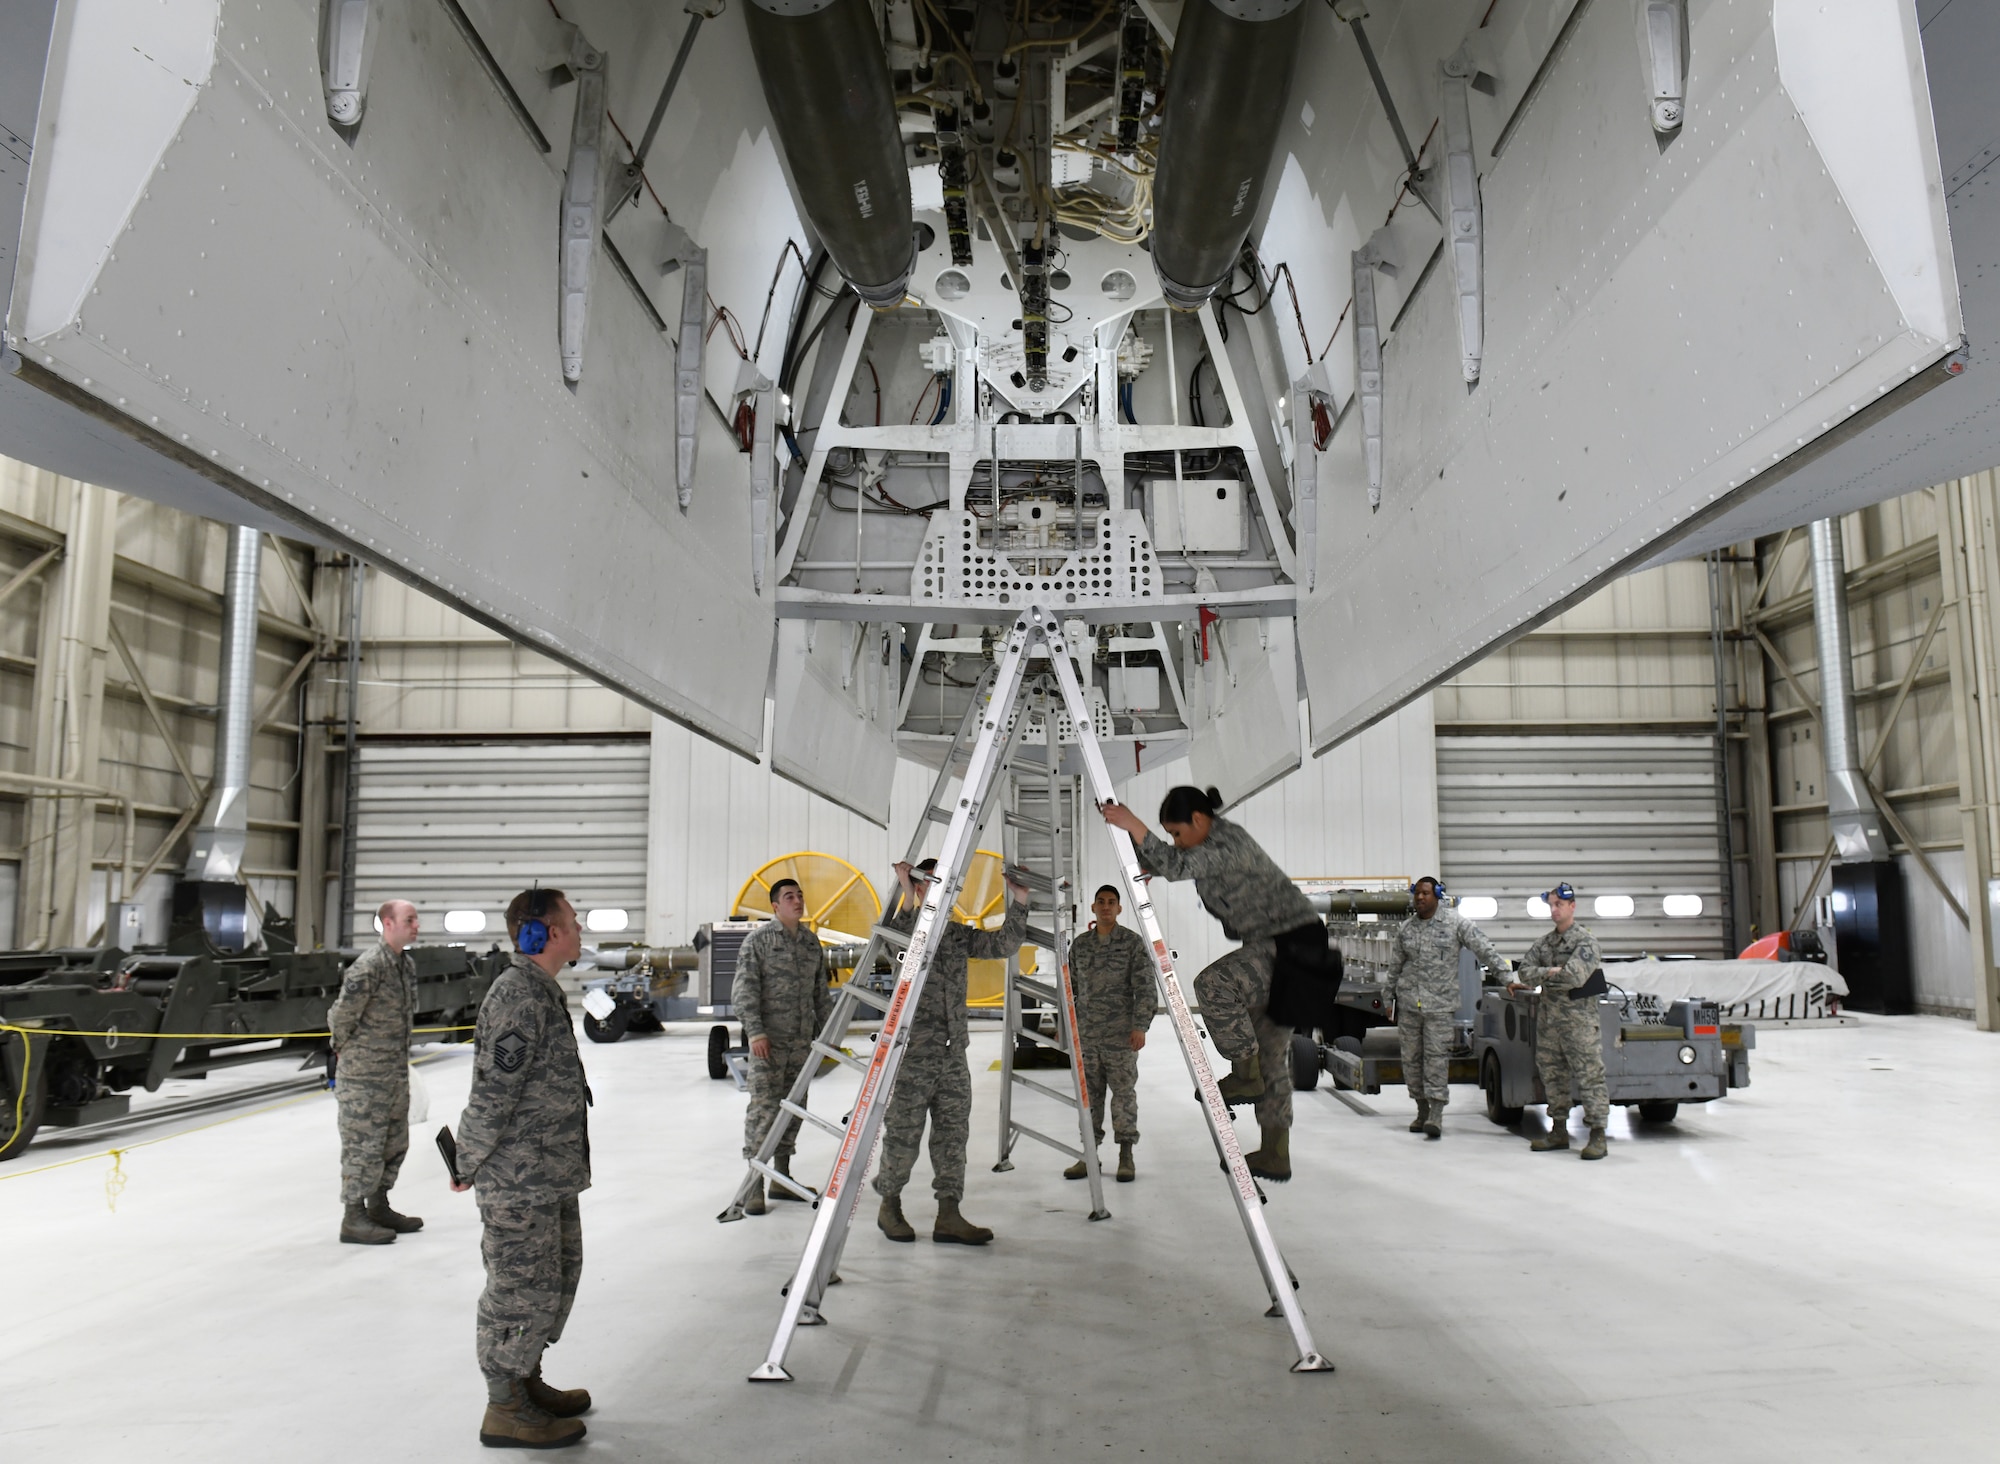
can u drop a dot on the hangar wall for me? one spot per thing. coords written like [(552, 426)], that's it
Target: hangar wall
[(1644, 657), (88, 576)]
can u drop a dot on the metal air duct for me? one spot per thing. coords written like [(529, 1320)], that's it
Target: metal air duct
[(826, 81), (225, 819), (1851, 815), (1227, 90)]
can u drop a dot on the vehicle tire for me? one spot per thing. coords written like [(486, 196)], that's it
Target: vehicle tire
[(1658, 1110), (608, 1030), (1489, 1083), (718, 1043), (32, 1106), (1348, 1044), (645, 1019), (1305, 1062)]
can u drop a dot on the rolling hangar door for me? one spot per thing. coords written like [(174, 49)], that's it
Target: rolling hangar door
[(1629, 821), (459, 828)]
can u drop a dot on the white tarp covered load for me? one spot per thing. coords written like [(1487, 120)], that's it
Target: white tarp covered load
[(1767, 990)]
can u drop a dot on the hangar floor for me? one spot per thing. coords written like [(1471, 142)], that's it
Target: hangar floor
[(1805, 1270)]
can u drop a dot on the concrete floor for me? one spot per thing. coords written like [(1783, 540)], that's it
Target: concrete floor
[(1805, 1270)]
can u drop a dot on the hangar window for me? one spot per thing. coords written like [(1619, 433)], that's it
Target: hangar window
[(1478, 907), (464, 922), (1682, 907), (1613, 907), (606, 922), (1537, 908)]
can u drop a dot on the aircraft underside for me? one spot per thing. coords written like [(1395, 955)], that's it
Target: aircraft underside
[(1289, 351)]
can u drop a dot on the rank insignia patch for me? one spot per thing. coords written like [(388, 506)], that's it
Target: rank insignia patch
[(510, 1050)]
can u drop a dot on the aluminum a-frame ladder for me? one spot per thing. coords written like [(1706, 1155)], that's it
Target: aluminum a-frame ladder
[(855, 1000), (1041, 825), (840, 1198)]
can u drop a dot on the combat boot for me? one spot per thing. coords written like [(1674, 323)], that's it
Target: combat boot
[(520, 1424), (557, 1402), (753, 1203), (890, 1218), (1126, 1172), (1595, 1149), (1434, 1119), (1423, 1116), (357, 1229), (388, 1219), (1245, 1083), (778, 1191), (1556, 1138), (1273, 1157), (1078, 1170), (953, 1228)]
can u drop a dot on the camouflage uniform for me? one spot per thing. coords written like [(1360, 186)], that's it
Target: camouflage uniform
[(1242, 887), (1568, 1034), (524, 1142), (370, 1023), (1423, 978), (934, 1078), (1112, 977), (780, 994)]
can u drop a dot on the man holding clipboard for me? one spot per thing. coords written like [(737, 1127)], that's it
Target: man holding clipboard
[(524, 1143)]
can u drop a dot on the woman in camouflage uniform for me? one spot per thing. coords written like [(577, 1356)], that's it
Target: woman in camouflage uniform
[(1256, 902)]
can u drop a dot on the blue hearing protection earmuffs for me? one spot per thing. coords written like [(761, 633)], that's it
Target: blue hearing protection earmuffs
[(533, 938), (1431, 880)]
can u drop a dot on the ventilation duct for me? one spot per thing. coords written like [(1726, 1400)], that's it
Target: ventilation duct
[(224, 830), (1852, 818)]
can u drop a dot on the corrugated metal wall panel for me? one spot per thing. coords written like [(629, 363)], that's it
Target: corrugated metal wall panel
[(718, 817), (1613, 815), (466, 827)]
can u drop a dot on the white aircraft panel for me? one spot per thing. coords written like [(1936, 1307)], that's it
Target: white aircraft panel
[(362, 336), (1243, 706), (834, 719), (1662, 323), (1954, 430)]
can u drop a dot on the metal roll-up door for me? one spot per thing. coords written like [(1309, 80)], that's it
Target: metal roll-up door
[(455, 827), (1631, 816)]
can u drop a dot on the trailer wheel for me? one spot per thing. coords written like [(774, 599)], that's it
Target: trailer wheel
[(608, 1030), (1489, 1082), (1658, 1110), (718, 1043), (31, 1106), (1305, 1062)]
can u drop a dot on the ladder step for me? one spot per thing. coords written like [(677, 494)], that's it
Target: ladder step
[(1041, 1138), (1032, 825), (938, 815), (890, 936), (799, 1110), (1038, 937), (1039, 1040), (770, 1172), (1035, 881), (844, 1059), (862, 996), (1044, 991), (1046, 1091)]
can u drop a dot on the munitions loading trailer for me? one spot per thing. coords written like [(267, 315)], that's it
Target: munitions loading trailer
[(1360, 924), (238, 1002), (650, 986)]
